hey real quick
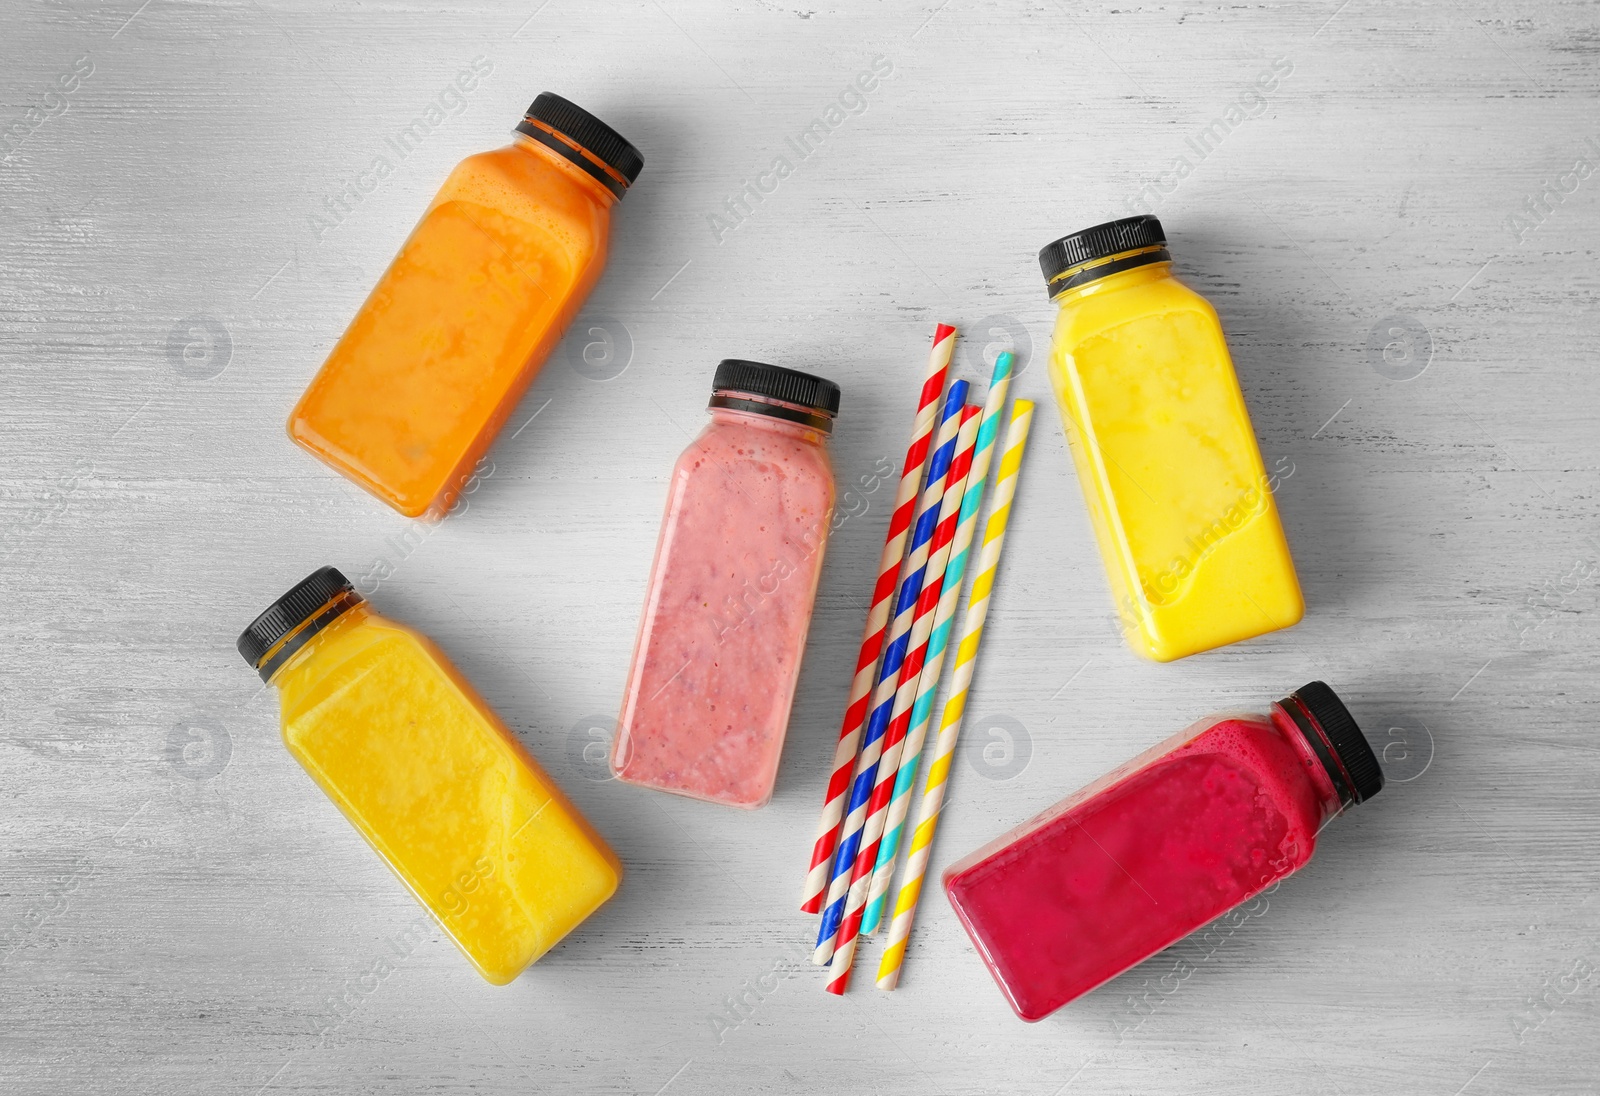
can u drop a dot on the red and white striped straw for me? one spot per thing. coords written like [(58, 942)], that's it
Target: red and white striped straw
[(894, 546), (896, 645), (951, 492)]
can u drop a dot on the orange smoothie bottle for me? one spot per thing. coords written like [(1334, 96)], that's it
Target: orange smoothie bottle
[(423, 769), (467, 312)]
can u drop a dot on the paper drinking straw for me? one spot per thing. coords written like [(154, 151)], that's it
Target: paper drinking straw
[(1005, 488), (894, 544), (938, 641), (911, 671), (904, 696), (866, 767), (922, 622)]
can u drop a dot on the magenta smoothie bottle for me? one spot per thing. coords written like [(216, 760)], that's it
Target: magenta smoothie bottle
[(731, 591), (1154, 850)]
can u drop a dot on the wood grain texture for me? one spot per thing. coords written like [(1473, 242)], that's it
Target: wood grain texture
[(181, 911)]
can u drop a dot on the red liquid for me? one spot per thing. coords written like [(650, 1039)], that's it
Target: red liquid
[(1141, 858)]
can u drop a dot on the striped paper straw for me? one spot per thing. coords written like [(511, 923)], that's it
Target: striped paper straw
[(894, 545), (938, 641), (905, 694), (994, 533), (866, 767)]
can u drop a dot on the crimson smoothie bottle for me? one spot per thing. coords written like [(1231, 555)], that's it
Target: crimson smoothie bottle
[(1159, 847), (731, 591)]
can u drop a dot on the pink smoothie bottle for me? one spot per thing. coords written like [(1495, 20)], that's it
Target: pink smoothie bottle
[(1147, 854), (731, 591)]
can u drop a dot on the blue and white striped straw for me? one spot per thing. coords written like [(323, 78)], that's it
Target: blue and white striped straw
[(888, 674), (938, 641)]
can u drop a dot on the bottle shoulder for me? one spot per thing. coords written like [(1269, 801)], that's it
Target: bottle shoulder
[(1283, 768), (347, 646), (1103, 308), (532, 188), (747, 446)]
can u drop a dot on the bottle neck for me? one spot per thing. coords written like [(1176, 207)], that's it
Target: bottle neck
[(764, 412), (298, 647), (579, 177), (1149, 265), (1321, 764)]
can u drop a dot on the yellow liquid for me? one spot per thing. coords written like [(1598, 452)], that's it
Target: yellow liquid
[(1169, 465), (434, 782)]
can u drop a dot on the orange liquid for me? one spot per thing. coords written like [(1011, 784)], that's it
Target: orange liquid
[(457, 327)]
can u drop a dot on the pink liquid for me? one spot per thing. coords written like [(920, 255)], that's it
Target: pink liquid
[(725, 620), (1141, 858)]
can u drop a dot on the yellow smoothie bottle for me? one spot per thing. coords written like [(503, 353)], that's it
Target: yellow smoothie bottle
[(423, 769), (1163, 446)]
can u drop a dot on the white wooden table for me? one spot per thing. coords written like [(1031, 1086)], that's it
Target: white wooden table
[(183, 913)]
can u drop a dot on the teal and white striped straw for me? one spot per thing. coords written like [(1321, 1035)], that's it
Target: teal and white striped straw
[(938, 641)]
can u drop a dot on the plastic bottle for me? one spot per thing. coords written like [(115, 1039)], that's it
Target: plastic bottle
[(460, 323), (1186, 831), (1177, 494), (731, 590), (425, 772)]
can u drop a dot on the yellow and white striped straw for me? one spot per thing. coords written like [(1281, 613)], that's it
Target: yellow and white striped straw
[(938, 642), (994, 536)]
